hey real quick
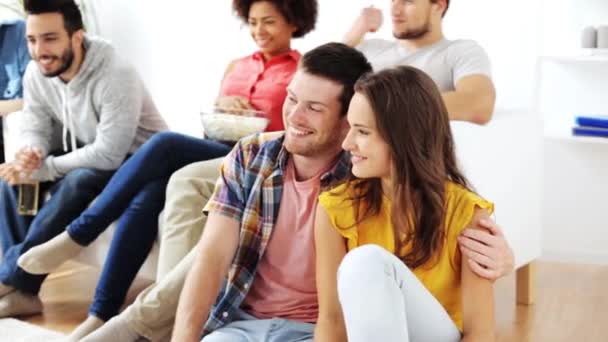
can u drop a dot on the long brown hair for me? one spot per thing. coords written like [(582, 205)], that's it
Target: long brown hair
[(413, 120)]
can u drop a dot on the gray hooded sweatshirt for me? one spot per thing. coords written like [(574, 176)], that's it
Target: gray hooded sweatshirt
[(105, 108)]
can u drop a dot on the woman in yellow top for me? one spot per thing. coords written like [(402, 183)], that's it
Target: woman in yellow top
[(388, 264)]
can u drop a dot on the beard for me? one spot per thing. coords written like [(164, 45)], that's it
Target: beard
[(415, 33), (310, 149), (315, 148), (66, 59)]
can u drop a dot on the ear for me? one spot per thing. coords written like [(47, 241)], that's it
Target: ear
[(294, 28), (344, 126), (78, 38), (440, 6)]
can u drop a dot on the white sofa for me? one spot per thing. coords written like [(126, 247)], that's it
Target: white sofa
[(503, 161)]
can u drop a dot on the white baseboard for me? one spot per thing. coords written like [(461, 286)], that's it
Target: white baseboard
[(575, 257)]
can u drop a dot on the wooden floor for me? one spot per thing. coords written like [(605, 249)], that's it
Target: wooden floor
[(67, 295), (572, 303)]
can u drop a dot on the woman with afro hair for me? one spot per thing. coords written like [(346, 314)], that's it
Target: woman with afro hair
[(259, 81)]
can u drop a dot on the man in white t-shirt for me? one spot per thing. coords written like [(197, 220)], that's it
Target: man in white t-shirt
[(460, 68)]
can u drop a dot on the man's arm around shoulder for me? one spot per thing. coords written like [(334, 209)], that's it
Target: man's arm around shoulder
[(472, 100)]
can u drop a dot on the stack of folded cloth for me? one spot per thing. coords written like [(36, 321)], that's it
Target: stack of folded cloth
[(592, 126)]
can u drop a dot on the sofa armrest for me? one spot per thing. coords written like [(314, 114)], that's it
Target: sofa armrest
[(503, 161)]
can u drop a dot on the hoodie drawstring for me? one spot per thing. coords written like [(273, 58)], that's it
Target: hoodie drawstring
[(67, 121)]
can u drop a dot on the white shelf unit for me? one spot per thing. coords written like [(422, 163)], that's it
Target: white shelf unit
[(577, 59), (575, 186), (568, 86)]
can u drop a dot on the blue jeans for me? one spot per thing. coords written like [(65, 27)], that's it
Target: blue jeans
[(69, 197), (246, 328), (135, 196), (1, 143)]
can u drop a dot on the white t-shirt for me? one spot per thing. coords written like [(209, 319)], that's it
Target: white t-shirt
[(446, 61)]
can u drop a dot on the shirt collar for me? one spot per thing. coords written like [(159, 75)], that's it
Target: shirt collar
[(293, 54)]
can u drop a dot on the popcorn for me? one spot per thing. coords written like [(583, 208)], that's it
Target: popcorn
[(231, 127)]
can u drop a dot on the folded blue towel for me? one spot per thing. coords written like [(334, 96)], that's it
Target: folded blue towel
[(590, 131), (599, 121)]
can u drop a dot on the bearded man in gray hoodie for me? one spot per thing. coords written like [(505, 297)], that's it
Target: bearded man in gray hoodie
[(80, 92)]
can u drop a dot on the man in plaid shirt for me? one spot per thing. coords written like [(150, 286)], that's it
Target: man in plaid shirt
[(259, 256)]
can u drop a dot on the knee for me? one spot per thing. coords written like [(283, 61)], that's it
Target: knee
[(179, 177), (194, 180), (151, 195), (157, 143), (83, 177), (362, 263), (163, 138), (5, 188), (203, 169), (7, 191)]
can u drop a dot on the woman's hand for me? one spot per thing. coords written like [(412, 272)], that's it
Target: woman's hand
[(232, 104)]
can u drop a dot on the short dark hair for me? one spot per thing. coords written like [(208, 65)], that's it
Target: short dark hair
[(339, 63), (300, 13), (72, 18)]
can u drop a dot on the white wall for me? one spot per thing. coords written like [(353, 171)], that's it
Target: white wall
[(6, 13), (563, 21), (510, 33)]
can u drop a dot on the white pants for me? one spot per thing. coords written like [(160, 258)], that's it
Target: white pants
[(382, 300)]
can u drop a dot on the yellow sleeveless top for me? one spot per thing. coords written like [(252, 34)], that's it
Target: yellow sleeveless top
[(442, 278)]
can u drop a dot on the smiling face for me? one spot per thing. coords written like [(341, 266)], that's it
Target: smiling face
[(269, 29), (311, 114), (49, 43), (370, 154)]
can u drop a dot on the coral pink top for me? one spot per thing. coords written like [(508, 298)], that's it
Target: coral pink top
[(263, 83)]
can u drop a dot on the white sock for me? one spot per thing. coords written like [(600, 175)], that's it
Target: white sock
[(89, 325), (47, 257), (116, 330), (19, 303)]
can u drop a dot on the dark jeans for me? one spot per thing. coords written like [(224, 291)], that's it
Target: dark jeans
[(69, 197), (1, 143), (135, 196)]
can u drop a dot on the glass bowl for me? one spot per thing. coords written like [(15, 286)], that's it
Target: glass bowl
[(222, 126)]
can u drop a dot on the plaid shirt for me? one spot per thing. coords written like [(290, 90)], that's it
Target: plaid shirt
[(249, 190)]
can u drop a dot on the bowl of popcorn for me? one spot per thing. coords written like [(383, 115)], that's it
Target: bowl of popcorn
[(232, 124)]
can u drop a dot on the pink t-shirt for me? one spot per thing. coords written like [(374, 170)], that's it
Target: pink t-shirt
[(284, 284), (263, 83)]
